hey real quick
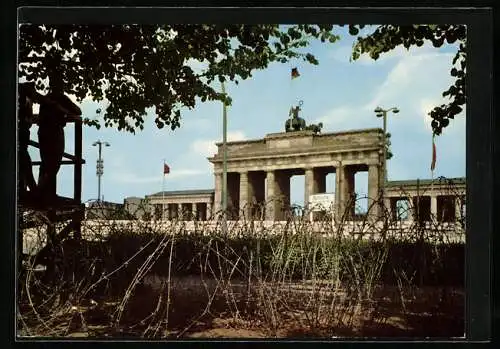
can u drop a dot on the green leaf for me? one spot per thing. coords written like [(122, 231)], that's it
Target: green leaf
[(353, 30)]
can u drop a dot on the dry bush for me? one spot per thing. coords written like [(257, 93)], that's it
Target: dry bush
[(156, 279)]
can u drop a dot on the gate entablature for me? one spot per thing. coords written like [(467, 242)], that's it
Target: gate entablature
[(302, 143)]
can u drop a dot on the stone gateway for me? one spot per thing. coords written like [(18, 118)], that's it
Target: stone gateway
[(255, 165)]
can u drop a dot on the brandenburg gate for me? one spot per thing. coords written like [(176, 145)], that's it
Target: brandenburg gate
[(254, 165)]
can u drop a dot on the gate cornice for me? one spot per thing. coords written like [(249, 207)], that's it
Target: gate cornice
[(293, 155)]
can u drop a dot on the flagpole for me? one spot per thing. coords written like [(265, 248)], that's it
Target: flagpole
[(292, 93), (163, 193), (224, 162), (433, 162)]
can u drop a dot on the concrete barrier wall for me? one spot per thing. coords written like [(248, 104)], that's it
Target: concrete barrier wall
[(97, 230)]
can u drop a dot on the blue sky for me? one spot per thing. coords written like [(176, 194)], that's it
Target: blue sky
[(337, 92)]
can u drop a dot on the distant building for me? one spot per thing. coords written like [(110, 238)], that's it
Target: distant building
[(412, 200), (420, 199), (137, 207), (104, 210), (179, 204)]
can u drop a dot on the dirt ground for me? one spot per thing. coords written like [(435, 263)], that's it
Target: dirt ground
[(298, 310)]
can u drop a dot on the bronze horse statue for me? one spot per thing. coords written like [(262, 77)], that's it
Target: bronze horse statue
[(316, 128), (295, 123)]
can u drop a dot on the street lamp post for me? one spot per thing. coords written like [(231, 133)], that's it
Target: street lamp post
[(383, 114), (224, 159), (224, 153), (99, 166)]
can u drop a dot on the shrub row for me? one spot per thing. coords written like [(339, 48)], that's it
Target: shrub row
[(295, 257)]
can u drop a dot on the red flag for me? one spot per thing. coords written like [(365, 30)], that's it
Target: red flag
[(433, 163), (166, 169), (295, 73)]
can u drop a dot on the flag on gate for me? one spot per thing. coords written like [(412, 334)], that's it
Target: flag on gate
[(433, 163), (295, 73), (166, 169)]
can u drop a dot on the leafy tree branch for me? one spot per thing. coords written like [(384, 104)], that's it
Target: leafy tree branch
[(139, 67)]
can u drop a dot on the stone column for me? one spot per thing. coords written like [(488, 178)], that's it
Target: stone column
[(164, 211), (271, 185), (338, 190), (258, 187), (458, 209), (411, 209), (434, 208), (346, 184), (244, 196), (282, 193), (175, 210), (388, 208), (218, 193), (373, 190), (194, 211), (309, 185), (252, 194), (208, 211), (179, 212), (169, 211), (394, 208), (233, 195), (315, 182)]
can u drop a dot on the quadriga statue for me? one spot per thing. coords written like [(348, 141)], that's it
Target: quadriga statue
[(295, 122), (316, 128)]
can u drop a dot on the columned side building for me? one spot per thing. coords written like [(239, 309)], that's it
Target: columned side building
[(182, 204), (442, 200), (411, 200)]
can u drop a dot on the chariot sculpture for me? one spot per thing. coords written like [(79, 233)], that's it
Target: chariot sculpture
[(296, 123)]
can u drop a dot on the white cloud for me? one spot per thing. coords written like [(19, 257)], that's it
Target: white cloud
[(414, 85), (339, 117), (413, 75), (208, 147), (426, 105), (233, 136), (205, 148)]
